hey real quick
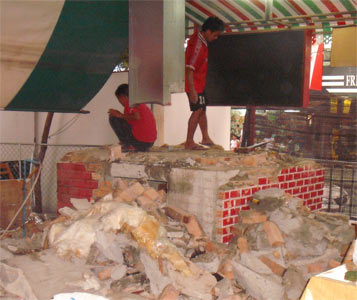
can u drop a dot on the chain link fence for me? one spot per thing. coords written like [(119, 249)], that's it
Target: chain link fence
[(20, 159)]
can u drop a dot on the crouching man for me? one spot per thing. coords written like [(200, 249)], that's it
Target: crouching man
[(136, 127)]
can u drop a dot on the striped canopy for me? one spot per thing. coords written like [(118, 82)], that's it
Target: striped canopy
[(56, 55), (263, 15)]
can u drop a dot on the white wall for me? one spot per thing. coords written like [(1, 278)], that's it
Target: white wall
[(88, 129), (94, 128), (176, 120)]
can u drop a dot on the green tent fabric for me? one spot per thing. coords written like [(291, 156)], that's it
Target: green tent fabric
[(82, 50)]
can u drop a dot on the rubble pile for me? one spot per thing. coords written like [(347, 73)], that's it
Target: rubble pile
[(282, 244), (130, 245)]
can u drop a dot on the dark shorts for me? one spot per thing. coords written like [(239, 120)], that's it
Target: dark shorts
[(201, 103)]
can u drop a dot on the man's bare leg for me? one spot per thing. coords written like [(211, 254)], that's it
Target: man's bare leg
[(192, 126), (206, 140)]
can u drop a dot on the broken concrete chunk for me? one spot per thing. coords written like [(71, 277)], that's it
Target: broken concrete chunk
[(118, 272), (242, 244), (272, 265), (268, 200), (146, 203), (169, 293), (199, 285), (252, 217), (294, 283), (115, 153), (158, 281), (273, 232), (259, 286), (207, 261), (254, 263), (223, 289)]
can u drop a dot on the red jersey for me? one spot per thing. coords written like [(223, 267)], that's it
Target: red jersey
[(144, 129), (196, 58)]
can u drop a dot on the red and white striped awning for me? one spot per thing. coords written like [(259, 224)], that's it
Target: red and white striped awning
[(267, 15)]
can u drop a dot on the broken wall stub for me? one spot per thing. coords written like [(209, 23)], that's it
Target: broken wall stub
[(213, 185)]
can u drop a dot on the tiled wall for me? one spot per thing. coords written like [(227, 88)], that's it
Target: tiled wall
[(303, 182)]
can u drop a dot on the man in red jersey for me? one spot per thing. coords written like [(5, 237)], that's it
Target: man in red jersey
[(196, 59), (136, 127)]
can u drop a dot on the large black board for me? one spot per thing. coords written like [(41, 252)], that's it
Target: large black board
[(263, 69)]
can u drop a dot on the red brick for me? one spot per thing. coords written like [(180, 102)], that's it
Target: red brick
[(297, 176), (318, 206), (255, 189), (62, 189), (307, 196), (307, 181), (313, 194), (264, 187), (247, 192), (319, 186), (86, 193), (92, 184), (289, 177), (292, 170), (281, 178), (320, 193), (234, 194), (235, 221), (227, 238), (245, 207), (300, 169), (309, 202), (303, 189), (262, 180), (283, 186), (312, 173), (300, 183), (292, 184), (233, 212), (304, 174), (311, 188), (321, 179), (296, 191), (317, 200), (313, 180), (227, 221), (275, 185), (284, 171), (74, 192), (289, 192), (319, 172), (312, 207), (227, 204)]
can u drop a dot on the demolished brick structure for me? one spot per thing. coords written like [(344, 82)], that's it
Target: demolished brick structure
[(212, 185), (130, 244)]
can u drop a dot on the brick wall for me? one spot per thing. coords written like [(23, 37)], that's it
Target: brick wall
[(303, 182), (81, 180)]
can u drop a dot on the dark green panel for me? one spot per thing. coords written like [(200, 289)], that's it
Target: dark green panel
[(81, 54)]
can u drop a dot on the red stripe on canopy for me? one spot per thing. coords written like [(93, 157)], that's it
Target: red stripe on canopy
[(333, 8), (237, 12)]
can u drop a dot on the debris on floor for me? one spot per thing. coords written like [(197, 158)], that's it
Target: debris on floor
[(130, 245)]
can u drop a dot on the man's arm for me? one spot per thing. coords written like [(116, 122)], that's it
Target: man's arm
[(135, 115), (192, 95)]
